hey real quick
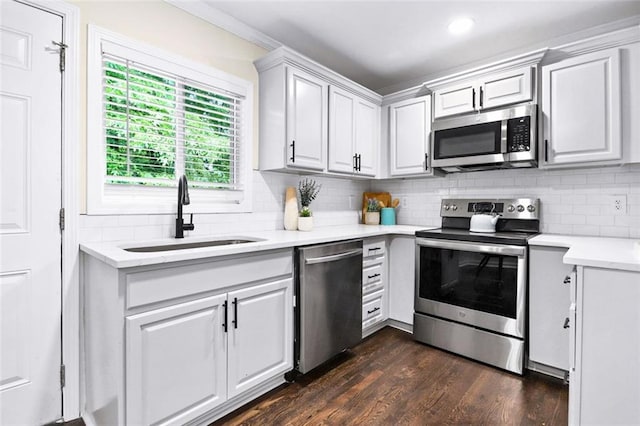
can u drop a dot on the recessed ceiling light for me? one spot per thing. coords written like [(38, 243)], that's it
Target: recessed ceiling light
[(460, 26)]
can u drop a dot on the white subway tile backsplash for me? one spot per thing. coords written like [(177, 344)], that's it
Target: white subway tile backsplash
[(331, 207), (572, 202)]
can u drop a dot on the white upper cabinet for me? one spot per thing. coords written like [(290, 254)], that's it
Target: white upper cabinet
[(409, 130), (581, 99), (367, 137), (488, 91), (506, 88), (353, 133), (313, 119), (455, 100), (306, 120)]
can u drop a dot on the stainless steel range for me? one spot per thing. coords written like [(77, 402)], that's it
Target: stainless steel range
[(471, 287)]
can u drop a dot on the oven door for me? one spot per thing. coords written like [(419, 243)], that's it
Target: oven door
[(482, 285)]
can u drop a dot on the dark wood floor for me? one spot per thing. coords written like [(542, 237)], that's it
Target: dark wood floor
[(391, 380)]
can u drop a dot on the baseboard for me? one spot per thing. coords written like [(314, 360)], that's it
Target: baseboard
[(400, 325), (547, 370)]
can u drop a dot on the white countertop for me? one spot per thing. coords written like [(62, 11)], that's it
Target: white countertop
[(113, 253), (599, 252)]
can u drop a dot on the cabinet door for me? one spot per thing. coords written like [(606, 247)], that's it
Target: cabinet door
[(550, 297), (307, 106), (260, 334), (605, 389), (367, 136), (402, 269), (581, 109), (506, 88), (175, 362), (341, 131), (454, 100), (409, 129)]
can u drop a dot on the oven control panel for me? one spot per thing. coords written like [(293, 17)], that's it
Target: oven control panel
[(516, 208)]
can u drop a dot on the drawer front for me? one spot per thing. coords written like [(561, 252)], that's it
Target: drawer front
[(374, 247), (148, 286), (373, 278), (372, 310)]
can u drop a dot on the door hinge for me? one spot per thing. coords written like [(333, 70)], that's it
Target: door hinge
[(61, 219), (62, 50), (62, 376)]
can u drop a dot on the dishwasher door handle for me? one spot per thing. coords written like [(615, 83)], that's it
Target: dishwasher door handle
[(333, 257)]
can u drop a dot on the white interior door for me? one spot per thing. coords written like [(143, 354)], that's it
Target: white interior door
[(30, 196)]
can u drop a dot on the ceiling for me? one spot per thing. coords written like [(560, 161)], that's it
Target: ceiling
[(388, 45)]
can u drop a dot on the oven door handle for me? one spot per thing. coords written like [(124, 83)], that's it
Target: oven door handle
[(507, 250)]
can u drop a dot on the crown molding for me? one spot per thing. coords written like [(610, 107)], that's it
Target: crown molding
[(411, 92), (207, 12), (610, 40), (286, 55), (527, 59)]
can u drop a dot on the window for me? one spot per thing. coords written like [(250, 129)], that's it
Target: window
[(154, 118)]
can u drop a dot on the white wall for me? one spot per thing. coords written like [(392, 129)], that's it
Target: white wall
[(572, 201), (166, 27)]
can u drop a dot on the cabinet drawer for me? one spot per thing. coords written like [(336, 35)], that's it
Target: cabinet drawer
[(144, 287), (372, 278), (372, 309), (371, 248)]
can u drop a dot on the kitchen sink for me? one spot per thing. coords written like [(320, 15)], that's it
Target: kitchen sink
[(192, 245)]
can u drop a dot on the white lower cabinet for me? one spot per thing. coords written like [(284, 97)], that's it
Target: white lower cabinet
[(185, 342), (374, 285), (604, 386), (402, 272), (260, 338), (176, 362), (549, 300)]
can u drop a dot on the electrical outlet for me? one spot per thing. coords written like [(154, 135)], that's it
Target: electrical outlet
[(403, 202), (352, 201), (618, 204)]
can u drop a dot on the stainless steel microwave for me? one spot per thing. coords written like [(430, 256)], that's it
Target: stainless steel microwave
[(504, 138)]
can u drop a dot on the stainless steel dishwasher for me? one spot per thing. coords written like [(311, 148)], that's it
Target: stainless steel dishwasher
[(328, 301)]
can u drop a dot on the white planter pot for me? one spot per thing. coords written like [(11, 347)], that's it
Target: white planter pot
[(305, 223), (372, 218)]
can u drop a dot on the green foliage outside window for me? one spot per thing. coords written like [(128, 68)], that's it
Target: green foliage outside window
[(150, 118)]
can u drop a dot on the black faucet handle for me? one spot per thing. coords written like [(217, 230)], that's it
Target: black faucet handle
[(189, 226)]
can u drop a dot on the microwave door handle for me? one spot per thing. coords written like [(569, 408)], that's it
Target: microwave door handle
[(503, 136)]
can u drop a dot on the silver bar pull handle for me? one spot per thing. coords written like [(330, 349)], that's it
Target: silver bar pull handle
[(333, 257)]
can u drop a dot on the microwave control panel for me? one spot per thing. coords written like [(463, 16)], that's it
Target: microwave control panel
[(519, 134)]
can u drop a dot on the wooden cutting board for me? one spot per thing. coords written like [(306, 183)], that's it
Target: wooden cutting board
[(385, 197)]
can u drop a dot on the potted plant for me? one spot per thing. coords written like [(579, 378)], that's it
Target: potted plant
[(372, 215), (308, 189)]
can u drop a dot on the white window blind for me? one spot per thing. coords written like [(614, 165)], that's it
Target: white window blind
[(158, 125)]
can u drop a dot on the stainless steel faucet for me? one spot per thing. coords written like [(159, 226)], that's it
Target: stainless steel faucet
[(183, 200)]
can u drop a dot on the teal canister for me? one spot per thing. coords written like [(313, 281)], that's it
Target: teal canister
[(388, 216)]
